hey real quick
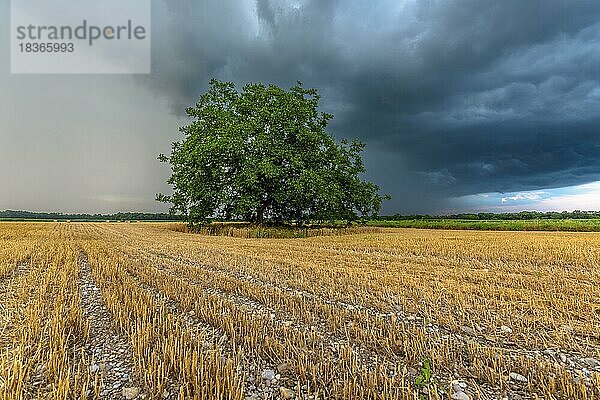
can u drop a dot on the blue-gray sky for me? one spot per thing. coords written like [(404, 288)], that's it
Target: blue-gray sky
[(464, 105)]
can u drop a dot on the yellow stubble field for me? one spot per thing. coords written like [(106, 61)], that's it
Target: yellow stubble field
[(141, 311)]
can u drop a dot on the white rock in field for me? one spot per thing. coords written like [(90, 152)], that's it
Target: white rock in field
[(591, 362), (505, 329), (268, 374), (517, 377), (468, 330), (563, 357), (460, 396), (458, 386), (131, 393)]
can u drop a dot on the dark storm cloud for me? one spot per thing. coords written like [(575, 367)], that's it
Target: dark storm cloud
[(452, 98)]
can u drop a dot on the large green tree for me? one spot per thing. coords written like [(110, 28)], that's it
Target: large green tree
[(263, 154)]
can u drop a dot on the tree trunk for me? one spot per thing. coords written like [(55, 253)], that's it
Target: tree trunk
[(260, 214)]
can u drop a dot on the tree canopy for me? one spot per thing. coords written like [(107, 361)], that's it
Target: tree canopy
[(263, 154)]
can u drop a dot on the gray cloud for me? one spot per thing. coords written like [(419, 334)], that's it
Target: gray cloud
[(453, 98)]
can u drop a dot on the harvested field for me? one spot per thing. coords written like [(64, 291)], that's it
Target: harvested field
[(99, 310)]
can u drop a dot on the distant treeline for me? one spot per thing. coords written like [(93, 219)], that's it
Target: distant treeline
[(523, 215), (138, 216), (128, 216)]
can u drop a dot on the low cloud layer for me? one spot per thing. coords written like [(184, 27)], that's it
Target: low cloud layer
[(580, 197)]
